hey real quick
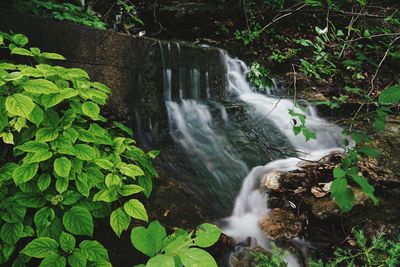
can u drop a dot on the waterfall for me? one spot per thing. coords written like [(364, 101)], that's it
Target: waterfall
[(214, 148)]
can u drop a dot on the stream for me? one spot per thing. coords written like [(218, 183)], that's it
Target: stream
[(225, 164)]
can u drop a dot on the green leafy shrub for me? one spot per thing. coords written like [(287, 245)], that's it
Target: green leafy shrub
[(177, 249), (274, 258), (259, 76), (61, 11), (375, 252), (62, 165)]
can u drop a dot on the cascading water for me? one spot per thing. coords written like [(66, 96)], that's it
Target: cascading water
[(219, 165)]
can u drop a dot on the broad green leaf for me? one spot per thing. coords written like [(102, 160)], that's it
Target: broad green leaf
[(113, 179), (19, 105), (30, 200), (52, 56), (91, 109), (149, 241), (119, 221), (10, 233), (53, 261), (131, 170), (147, 184), (13, 76), (71, 197), (8, 138), (153, 154), (161, 260), (62, 184), (339, 173), (20, 123), (44, 182), (106, 195), (135, 209), (390, 96), (41, 247), (85, 152), (74, 73), (101, 87), (104, 164), (38, 157), (3, 114), (342, 194), (207, 235), (6, 172), (369, 151), (33, 146), (94, 251), (51, 100), (179, 244), (46, 134), (197, 257), (20, 39), (62, 166), (130, 189), (21, 51), (366, 187), (25, 173), (124, 128), (77, 259), (78, 221), (40, 86), (44, 217), (67, 242)]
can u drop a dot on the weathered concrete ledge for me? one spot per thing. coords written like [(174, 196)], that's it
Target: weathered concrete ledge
[(131, 66)]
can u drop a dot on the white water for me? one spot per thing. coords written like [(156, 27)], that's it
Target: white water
[(194, 129)]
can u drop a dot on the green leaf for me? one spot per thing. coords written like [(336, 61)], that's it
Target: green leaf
[(62, 184), (369, 151), (207, 235), (390, 96), (62, 166), (113, 179), (106, 195), (30, 200), (366, 187), (44, 217), (52, 56), (94, 251), (44, 182), (36, 116), (53, 261), (6, 172), (67, 242), (342, 194), (104, 164), (3, 114), (21, 51), (40, 86), (147, 184), (78, 221), (85, 152), (339, 173), (153, 154), (161, 260), (135, 209), (77, 259), (197, 257), (33, 146), (74, 73), (10, 233), (51, 100), (19, 105), (25, 173), (131, 170), (124, 128), (41, 247), (130, 189), (20, 39), (91, 109), (8, 138), (149, 241), (38, 157), (46, 134), (119, 221)]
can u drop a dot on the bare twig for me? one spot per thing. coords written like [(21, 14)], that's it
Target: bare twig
[(277, 18)]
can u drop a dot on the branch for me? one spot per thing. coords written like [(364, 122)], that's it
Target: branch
[(277, 18)]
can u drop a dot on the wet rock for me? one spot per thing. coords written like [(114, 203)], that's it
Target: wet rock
[(271, 180), (281, 224)]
